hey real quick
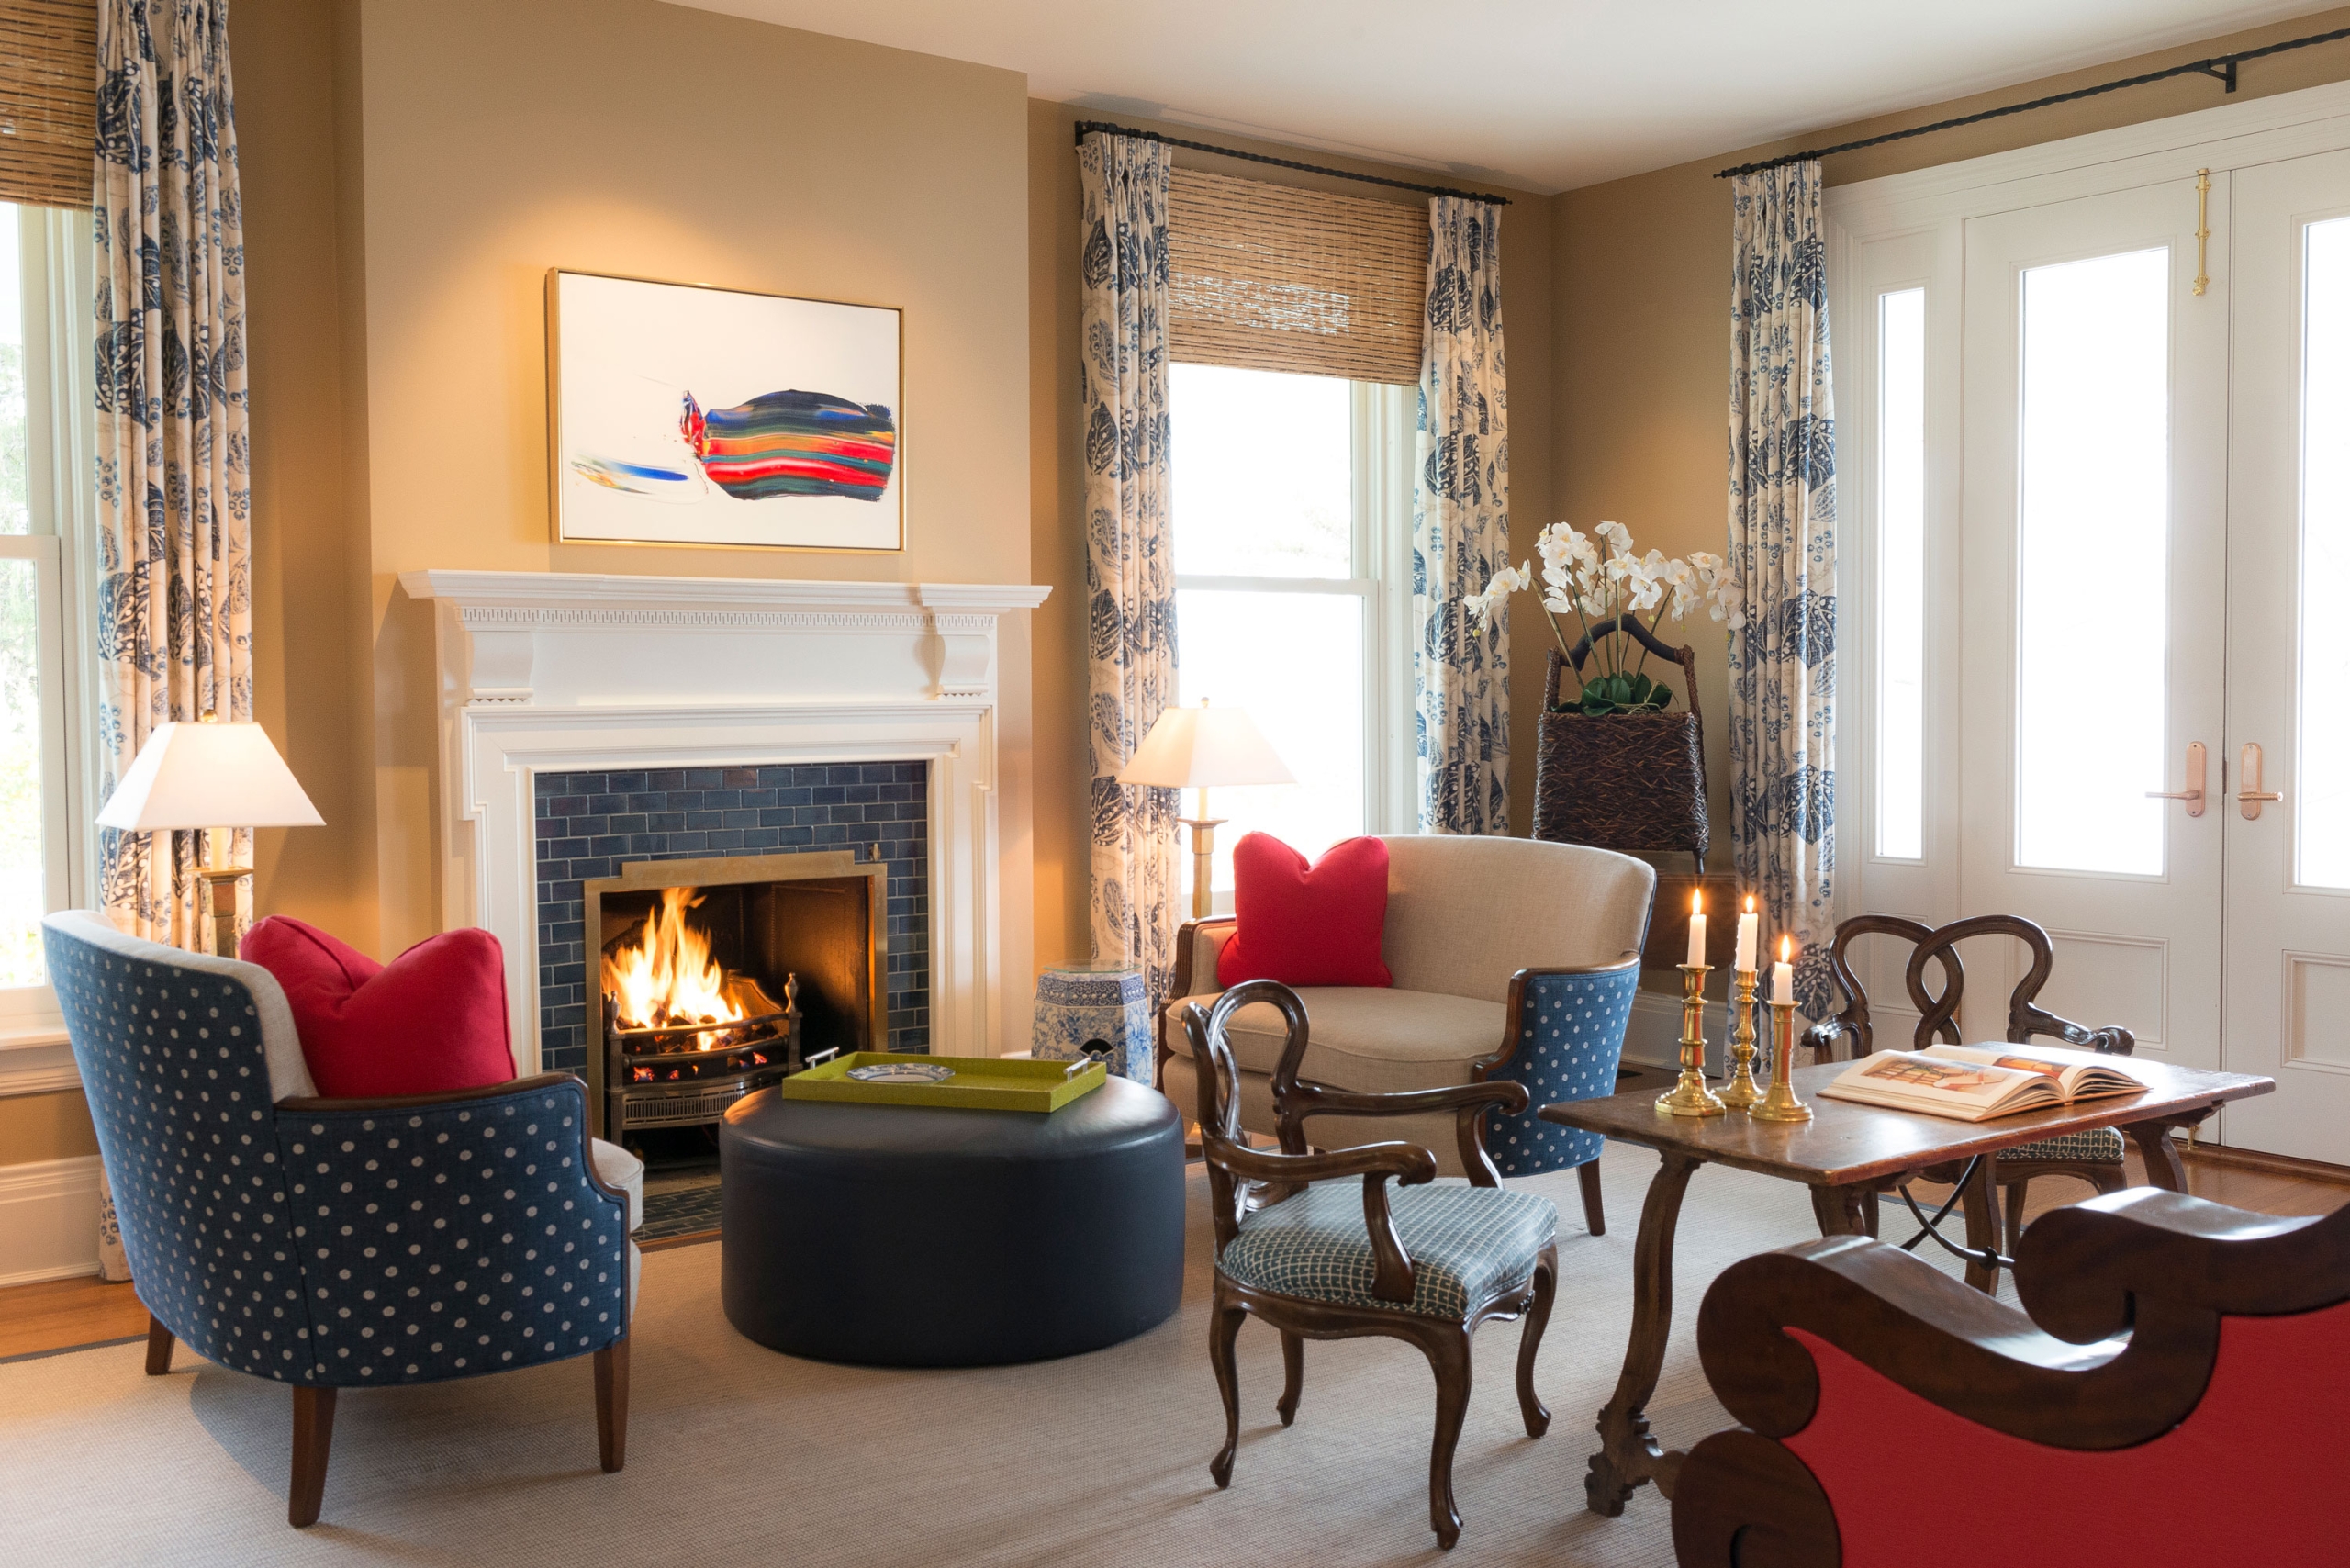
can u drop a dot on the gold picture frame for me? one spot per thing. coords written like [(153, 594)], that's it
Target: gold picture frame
[(738, 465)]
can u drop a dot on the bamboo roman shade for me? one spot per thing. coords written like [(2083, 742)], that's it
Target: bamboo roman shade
[(1272, 277), (48, 100)]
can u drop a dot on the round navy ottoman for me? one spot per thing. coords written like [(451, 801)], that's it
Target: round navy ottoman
[(923, 1237)]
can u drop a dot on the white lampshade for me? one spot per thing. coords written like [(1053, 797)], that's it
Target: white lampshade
[(211, 776), (1204, 746)]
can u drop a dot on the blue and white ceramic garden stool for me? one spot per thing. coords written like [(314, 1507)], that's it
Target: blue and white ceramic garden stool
[(1102, 1006)]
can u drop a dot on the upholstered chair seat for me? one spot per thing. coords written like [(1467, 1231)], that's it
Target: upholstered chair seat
[(1467, 1244), (2098, 1145)]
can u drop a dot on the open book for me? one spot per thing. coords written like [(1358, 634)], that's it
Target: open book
[(1974, 1083)]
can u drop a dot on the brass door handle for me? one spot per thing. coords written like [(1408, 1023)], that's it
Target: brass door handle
[(2250, 795), (2193, 794)]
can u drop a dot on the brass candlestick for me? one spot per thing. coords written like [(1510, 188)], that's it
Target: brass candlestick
[(1741, 1092), (1690, 1097), (1780, 1104)]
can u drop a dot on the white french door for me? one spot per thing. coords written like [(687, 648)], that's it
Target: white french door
[(2288, 658), (2093, 531), (2097, 426)]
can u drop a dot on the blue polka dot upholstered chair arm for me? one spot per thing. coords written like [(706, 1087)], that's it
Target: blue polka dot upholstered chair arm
[(1567, 1037), (333, 1243)]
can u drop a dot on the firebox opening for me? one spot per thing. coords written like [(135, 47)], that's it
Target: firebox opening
[(714, 979)]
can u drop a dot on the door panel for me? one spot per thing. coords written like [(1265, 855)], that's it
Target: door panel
[(2288, 658), (2093, 530)]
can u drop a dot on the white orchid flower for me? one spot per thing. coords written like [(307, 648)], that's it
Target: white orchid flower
[(1686, 587), (1618, 537)]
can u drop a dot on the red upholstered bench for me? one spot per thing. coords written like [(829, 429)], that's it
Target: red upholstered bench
[(2177, 1393)]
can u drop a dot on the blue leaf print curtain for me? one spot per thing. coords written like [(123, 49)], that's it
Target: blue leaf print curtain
[(1783, 548), (1129, 553), (1460, 527), (173, 487)]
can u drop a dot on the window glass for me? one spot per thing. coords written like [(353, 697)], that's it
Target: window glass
[(16, 510), (23, 861), (1901, 573), (1262, 467), (2093, 611), (2321, 816)]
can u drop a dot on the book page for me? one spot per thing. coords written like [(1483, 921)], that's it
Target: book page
[(2074, 1072)]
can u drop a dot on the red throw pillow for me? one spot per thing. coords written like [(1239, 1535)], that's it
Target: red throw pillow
[(1300, 925), (431, 1020)]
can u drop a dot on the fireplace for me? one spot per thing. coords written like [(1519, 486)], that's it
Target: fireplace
[(714, 978)]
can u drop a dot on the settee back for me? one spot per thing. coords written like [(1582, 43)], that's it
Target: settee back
[(1465, 913)]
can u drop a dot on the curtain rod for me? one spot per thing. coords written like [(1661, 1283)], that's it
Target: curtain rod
[(1084, 126), (2221, 66)]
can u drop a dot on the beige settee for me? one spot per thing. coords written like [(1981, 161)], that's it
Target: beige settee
[(1464, 916)]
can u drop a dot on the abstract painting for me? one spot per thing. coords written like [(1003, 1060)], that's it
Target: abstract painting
[(686, 415)]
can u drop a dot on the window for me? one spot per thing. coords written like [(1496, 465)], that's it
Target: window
[(1901, 575), (44, 352), (2323, 860), (1292, 519)]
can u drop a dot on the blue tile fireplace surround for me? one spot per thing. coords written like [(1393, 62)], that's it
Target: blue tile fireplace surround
[(589, 823)]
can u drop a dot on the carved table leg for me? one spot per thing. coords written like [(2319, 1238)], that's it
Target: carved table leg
[(1983, 1226), (2163, 1168), (1843, 1211), (1627, 1455)]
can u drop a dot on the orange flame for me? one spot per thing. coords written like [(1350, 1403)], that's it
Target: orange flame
[(667, 978), (1750, 904), (1786, 948)]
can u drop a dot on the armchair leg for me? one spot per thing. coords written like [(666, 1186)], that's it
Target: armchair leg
[(159, 1347), (1594, 1215), (1530, 1341), (313, 1436), (1294, 1375), (1447, 1352), (1983, 1228), (612, 1405), (1222, 1333)]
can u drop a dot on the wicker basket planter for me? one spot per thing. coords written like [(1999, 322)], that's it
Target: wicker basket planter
[(1629, 781)]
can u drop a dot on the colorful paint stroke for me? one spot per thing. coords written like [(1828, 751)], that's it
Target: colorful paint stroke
[(794, 443)]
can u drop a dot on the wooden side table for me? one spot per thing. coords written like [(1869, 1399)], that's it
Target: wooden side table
[(1843, 1155)]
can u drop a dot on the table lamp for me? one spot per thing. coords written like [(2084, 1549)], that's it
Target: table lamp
[(218, 777), (1192, 748)]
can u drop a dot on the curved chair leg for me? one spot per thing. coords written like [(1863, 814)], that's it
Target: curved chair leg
[(1222, 1331), (612, 1405), (1292, 1375), (1530, 1341), (2108, 1178), (159, 1347), (313, 1436), (1594, 1213), (2016, 1191), (1447, 1352)]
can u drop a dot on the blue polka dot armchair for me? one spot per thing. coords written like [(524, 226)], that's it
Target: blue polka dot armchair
[(1566, 1038), (333, 1244)]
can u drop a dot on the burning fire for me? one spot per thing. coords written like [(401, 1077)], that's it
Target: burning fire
[(665, 978)]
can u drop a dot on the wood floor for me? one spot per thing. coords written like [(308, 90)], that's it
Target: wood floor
[(64, 1314)]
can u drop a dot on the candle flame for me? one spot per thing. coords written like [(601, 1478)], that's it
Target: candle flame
[(1750, 904), (1786, 948), (1697, 901)]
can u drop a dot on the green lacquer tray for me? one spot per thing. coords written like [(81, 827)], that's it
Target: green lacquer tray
[(981, 1083)]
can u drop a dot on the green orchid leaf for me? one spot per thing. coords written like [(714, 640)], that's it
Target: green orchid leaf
[(1639, 689)]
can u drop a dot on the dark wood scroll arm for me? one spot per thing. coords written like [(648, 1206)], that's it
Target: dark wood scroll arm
[(1823, 1036), (2025, 1017), (1299, 1100)]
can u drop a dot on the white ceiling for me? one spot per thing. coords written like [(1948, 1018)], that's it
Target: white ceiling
[(1540, 94)]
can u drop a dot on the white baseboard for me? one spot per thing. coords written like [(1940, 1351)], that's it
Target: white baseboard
[(36, 1061), (49, 1220)]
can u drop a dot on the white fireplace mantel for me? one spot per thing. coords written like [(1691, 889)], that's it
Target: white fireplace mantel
[(567, 672)]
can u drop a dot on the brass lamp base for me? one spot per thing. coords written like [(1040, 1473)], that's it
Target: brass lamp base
[(221, 904), (1690, 1097), (1780, 1103), (1203, 862), (1741, 1092)]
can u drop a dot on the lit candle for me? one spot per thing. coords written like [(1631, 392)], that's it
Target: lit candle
[(1697, 929), (1783, 974), (1748, 930)]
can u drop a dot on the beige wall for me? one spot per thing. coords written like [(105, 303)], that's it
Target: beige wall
[(1641, 319), (1056, 539)]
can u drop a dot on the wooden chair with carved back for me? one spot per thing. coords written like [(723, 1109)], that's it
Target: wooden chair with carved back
[(1319, 1257), (2093, 1157)]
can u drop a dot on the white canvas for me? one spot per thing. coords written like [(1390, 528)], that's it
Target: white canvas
[(628, 354)]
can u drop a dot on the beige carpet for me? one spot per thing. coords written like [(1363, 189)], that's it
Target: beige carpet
[(736, 1453)]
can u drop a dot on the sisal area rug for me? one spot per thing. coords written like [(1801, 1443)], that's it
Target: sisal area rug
[(738, 1454)]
